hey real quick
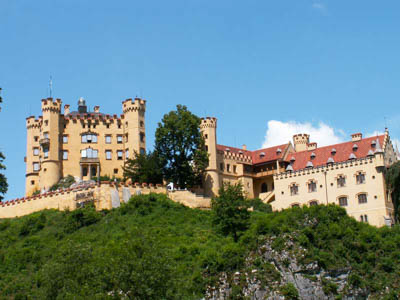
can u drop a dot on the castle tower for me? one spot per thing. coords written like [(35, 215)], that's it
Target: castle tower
[(301, 141), (134, 125), (32, 155), (49, 141), (208, 127)]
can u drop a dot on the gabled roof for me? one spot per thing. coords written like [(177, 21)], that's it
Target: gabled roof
[(343, 153)]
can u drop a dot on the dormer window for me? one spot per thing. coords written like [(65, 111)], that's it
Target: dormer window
[(333, 151), (292, 159), (373, 144), (278, 151), (355, 147), (312, 156), (352, 156), (227, 150), (262, 154), (309, 165)]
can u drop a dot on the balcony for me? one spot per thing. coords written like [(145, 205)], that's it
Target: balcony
[(89, 160), (44, 141)]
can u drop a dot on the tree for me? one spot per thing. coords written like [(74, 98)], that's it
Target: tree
[(3, 179), (230, 210), (392, 178), (181, 147), (144, 168)]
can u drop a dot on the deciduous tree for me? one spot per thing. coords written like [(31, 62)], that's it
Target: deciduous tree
[(181, 147), (144, 168), (230, 210)]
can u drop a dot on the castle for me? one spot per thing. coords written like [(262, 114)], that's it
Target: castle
[(81, 143), (349, 174), (91, 144)]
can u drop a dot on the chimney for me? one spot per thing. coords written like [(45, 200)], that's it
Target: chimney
[(356, 137), (244, 147), (97, 109), (66, 109), (311, 146), (301, 141)]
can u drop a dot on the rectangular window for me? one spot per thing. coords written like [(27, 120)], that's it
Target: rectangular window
[(36, 138), (36, 166), (35, 151), (294, 190), (65, 155), (119, 154), (312, 187), (126, 138), (142, 151), (343, 201), (84, 138), (119, 139), (142, 137), (108, 154), (83, 153), (221, 166), (108, 139), (45, 152), (360, 178), (94, 138), (127, 153), (46, 135), (362, 198), (341, 181), (65, 139), (234, 169), (228, 167)]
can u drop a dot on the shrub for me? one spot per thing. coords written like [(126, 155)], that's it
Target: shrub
[(289, 291)]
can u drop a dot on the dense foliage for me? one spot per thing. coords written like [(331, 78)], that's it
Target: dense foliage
[(392, 178), (181, 147), (144, 168), (153, 248), (230, 211), (3, 179)]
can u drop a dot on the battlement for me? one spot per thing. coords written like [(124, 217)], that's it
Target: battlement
[(94, 117), (130, 105), (325, 168), (49, 105), (236, 156), (209, 122), (301, 138), (31, 122)]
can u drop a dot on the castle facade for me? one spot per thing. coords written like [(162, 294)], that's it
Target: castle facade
[(349, 174), (81, 143)]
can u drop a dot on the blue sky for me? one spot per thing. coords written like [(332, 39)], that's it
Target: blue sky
[(334, 64)]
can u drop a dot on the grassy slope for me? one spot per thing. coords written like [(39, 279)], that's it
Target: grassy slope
[(154, 248)]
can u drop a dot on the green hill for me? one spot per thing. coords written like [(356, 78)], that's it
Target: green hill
[(153, 248)]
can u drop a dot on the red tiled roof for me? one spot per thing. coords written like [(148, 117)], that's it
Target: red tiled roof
[(270, 154), (343, 152)]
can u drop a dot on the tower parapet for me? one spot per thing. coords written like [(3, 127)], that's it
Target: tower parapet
[(134, 122), (208, 127), (49, 105), (301, 141)]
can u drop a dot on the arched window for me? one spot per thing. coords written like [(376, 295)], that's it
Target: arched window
[(313, 203), (264, 188), (295, 205)]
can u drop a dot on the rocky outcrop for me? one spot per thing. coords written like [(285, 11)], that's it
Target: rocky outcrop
[(279, 274)]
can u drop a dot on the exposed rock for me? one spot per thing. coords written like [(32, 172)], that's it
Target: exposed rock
[(311, 281)]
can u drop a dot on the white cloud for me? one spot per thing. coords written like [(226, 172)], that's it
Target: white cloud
[(319, 6), (282, 132)]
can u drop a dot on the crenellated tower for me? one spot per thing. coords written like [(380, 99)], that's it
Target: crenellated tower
[(301, 142), (49, 140), (134, 124), (32, 154), (208, 127)]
